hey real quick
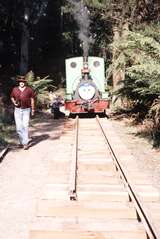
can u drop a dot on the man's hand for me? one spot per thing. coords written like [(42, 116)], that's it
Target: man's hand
[(32, 107), (16, 104), (32, 112)]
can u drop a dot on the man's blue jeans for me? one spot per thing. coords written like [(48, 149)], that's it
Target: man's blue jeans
[(22, 117)]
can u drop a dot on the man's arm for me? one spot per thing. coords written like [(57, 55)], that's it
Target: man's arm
[(32, 106), (12, 96), (14, 101)]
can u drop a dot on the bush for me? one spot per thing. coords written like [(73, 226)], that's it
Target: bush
[(40, 86)]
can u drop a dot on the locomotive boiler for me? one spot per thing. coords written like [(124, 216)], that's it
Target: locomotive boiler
[(85, 85)]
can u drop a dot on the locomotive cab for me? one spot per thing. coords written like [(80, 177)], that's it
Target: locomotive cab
[(85, 85)]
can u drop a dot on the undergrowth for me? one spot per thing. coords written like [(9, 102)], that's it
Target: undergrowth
[(144, 127)]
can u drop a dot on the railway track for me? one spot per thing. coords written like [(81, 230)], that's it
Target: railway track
[(3, 152), (91, 192)]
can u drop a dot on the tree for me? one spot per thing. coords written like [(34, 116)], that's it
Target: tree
[(32, 11), (18, 19), (121, 16)]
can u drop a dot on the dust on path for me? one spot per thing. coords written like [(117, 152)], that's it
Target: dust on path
[(22, 176), (23, 173), (146, 157)]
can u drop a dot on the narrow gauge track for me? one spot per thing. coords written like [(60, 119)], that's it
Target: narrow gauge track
[(97, 200), (3, 152)]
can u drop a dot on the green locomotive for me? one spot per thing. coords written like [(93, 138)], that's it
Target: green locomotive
[(86, 85)]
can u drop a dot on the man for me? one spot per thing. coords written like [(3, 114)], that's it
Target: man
[(23, 98)]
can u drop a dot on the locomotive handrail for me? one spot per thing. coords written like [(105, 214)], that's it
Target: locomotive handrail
[(73, 166)]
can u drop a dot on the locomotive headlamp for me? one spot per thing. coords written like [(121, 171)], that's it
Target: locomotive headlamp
[(86, 91)]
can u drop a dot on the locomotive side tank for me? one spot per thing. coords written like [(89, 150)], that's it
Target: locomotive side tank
[(85, 85)]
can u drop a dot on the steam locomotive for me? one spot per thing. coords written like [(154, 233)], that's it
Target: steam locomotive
[(85, 85)]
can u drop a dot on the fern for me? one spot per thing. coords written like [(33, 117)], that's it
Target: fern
[(140, 54), (40, 86), (154, 112)]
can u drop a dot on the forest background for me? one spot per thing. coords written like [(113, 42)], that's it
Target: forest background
[(36, 36)]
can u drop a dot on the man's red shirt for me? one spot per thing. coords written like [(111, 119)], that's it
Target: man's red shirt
[(23, 98)]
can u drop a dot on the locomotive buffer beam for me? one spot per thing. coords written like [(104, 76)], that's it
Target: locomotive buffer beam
[(88, 106)]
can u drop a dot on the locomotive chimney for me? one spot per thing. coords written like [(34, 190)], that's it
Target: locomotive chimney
[(85, 70), (85, 60)]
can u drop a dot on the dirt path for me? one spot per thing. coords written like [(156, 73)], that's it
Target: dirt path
[(23, 173), (146, 157)]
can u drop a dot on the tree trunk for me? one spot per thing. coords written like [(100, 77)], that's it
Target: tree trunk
[(24, 58), (124, 36), (119, 73), (116, 103), (116, 37)]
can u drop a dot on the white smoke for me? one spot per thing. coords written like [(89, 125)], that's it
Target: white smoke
[(81, 15)]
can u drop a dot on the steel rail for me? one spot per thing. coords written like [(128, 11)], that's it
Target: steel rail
[(142, 213), (73, 165), (3, 153)]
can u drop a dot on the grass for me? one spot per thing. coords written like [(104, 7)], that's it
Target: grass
[(143, 128), (7, 134)]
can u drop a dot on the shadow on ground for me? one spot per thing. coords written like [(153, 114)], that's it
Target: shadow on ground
[(37, 139), (88, 115), (42, 127)]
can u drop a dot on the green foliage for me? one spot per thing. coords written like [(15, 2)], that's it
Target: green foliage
[(40, 86), (152, 30), (98, 4), (139, 55), (145, 69), (5, 120), (154, 112)]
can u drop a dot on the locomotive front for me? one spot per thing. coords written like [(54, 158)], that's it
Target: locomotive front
[(85, 85)]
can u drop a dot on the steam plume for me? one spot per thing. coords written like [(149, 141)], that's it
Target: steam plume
[(81, 15)]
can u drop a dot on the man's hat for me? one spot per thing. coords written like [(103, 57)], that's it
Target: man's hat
[(21, 78)]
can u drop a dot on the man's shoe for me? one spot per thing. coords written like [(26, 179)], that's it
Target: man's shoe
[(20, 146), (25, 147)]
